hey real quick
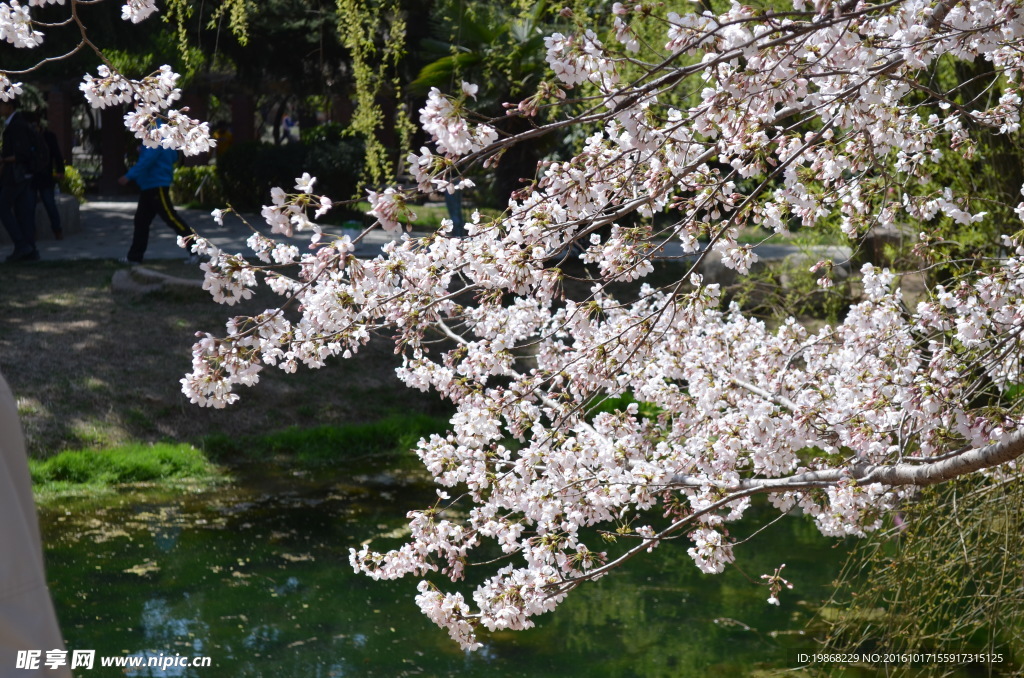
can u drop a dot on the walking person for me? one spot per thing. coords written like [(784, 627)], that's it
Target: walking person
[(17, 200), (153, 173), (43, 183)]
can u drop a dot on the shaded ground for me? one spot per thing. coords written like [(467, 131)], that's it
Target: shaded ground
[(91, 368)]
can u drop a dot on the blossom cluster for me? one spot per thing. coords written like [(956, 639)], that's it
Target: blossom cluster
[(578, 59), (444, 119), (138, 10), (738, 402), (149, 96), (776, 582), (16, 25), (8, 90), (151, 120)]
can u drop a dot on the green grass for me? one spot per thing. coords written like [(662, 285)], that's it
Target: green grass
[(321, 445), (96, 470)]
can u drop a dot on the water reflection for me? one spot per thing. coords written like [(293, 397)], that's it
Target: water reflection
[(257, 578)]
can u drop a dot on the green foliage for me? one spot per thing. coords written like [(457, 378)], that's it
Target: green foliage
[(127, 464), (620, 403), (197, 186), (987, 169), (72, 183), (789, 287), (992, 178), (237, 12), (335, 158), (132, 63), (329, 133), (373, 32), (140, 60), (393, 436), (499, 47), (248, 171), (281, 47), (178, 13)]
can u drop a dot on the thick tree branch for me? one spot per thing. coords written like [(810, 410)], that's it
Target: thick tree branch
[(895, 475)]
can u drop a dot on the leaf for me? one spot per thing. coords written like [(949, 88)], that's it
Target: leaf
[(439, 73)]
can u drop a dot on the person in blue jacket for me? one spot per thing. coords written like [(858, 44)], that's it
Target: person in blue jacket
[(153, 174)]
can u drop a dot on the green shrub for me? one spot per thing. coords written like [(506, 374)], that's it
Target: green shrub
[(197, 186), (249, 170), (328, 133), (72, 183)]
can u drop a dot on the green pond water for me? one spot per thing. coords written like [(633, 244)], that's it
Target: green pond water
[(255, 575)]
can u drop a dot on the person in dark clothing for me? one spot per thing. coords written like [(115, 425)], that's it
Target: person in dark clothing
[(153, 173), (17, 201), (43, 183)]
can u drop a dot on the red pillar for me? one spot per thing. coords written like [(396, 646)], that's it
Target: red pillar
[(243, 117), (113, 146), (58, 119), (199, 108)]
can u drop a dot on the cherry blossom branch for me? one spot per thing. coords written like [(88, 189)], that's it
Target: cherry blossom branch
[(927, 472), (802, 121)]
